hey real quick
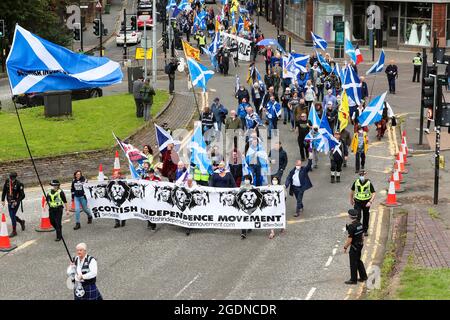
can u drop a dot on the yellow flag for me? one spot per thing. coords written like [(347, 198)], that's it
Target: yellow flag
[(190, 51), (344, 112), (217, 26)]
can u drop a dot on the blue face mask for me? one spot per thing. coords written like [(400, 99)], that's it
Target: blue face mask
[(362, 178)]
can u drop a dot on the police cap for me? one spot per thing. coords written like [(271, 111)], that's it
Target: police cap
[(55, 183), (352, 213)]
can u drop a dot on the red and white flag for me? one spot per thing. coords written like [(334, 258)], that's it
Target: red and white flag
[(359, 57)]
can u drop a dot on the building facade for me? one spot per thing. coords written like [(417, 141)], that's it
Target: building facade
[(404, 24)]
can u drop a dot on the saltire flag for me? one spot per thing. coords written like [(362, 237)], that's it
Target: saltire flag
[(319, 42), (184, 5), (323, 62), (199, 156), (359, 56), (377, 66), (337, 71), (37, 65), (233, 19), (300, 61), (349, 50), (324, 140), (258, 154), (200, 74), (176, 12), (171, 4), (190, 51), (313, 116), (253, 75), (224, 2), (212, 49), (240, 26), (344, 112), (390, 112), (200, 21), (245, 169), (373, 112), (133, 155), (182, 179), (163, 138), (289, 69), (352, 85)]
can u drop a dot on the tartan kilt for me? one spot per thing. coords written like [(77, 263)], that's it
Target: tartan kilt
[(90, 293)]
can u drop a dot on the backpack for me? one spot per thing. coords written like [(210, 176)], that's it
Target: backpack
[(167, 69)]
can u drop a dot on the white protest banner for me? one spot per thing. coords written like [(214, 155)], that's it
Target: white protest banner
[(244, 48), (199, 207)]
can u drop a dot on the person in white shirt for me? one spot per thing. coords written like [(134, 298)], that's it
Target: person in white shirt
[(83, 271)]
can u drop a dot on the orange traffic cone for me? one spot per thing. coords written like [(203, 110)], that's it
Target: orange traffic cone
[(406, 152), (101, 176), (396, 179), (116, 169), (45, 226), (5, 244), (391, 200), (72, 206), (400, 164)]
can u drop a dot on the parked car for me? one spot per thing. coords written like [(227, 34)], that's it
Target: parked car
[(29, 100), (133, 37)]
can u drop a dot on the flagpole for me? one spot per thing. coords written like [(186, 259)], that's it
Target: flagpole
[(190, 79), (371, 89)]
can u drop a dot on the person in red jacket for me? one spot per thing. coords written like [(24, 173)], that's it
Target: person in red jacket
[(170, 161)]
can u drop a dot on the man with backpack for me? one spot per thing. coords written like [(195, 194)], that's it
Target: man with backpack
[(147, 93), (13, 192)]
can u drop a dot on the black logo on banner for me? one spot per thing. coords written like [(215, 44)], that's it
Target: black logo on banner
[(249, 200), (118, 191)]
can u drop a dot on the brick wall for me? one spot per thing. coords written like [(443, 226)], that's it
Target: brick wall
[(439, 21)]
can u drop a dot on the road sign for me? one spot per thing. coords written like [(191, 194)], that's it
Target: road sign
[(98, 5), (84, 7), (140, 53)]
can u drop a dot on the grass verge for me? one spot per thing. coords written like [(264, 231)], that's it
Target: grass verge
[(424, 284), (89, 127), (386, 272)]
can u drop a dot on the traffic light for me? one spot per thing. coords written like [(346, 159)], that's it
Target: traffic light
[(133, 23), (97, 27), (2, 28), (428, 92), (77, 32)]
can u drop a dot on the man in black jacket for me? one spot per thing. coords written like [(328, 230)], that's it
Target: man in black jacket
[(299, 182), (337, 156), (13, 192), (242, 93), (392, 74), (170, 70), (278, 161)]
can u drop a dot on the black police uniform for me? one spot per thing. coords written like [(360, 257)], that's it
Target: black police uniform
[(55, 213), (355, 231), (361, 205)]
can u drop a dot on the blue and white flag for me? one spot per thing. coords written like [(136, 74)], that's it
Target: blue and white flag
[(184, 5), (171, 4), (182, 179), (163, 138), (319, 42), (323, 62), (37, 65), (257, 154), (379, 65), (352, 85), (289, 68), (233, 19), (200, 20), (349, 50), (373, 112), (300, 61), (240, 26), (323, 140), (313, 116), (199, 156), (200, 74), (245, 169)]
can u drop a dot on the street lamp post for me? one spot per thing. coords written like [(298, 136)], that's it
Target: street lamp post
[(154, 65)]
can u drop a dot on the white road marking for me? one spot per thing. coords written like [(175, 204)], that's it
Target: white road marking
[(310, 293), (186, 286), (330, 258), (341, 215), (24, 245), (334, 250)]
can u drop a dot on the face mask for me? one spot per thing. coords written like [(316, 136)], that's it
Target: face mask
[(298, 167), (221, 170), (362, 178), (275, 182), (247, 181), (360, 131)]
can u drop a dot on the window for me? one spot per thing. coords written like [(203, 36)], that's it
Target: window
[(295, 17), (415, 24)]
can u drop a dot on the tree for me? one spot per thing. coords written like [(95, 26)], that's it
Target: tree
[(38, 16)]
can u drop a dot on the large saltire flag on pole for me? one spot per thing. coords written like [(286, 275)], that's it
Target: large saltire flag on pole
[(319, 42), (200, 74), (37, 65), (373, 112), (133, 155), (344, 112)]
